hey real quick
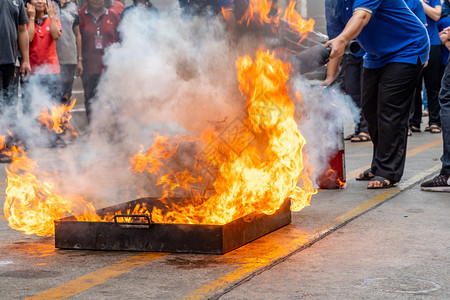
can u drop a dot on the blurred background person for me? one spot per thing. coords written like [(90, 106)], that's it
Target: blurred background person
[(416, 110), (144, 4), (44, 29), (68, 48), (98, 28), (13, 38), (431, 72)]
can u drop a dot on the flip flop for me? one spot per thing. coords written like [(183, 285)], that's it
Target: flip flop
[(366, 175), (359, 138), (349, 137), (435, 129), (385, 183)]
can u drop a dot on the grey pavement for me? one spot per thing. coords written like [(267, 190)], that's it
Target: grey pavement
[(348, 244)]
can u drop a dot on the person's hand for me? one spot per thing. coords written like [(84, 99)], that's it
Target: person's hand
[(51, 9), (327, 81), (31, 11), (337, 47), (79, 69), (25, 70)]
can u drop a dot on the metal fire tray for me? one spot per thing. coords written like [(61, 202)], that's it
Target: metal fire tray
[(161, 237)]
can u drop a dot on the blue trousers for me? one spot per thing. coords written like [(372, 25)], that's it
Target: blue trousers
[(444, 100)]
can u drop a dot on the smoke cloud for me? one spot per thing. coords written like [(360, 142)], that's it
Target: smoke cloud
[(169, 76)]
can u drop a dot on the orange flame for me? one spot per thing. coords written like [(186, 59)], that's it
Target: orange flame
[(265, 173), (263, 12), (58, 118), (152, 160), (296, 22), (31, 205), (259, 11), (342, 184)]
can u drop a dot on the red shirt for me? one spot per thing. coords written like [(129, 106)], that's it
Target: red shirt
[(43, 49), (107, 27)]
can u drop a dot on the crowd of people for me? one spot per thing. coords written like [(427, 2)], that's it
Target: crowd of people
[(404, 47)]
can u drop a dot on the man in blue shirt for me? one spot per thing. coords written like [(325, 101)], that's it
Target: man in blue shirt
[(397, 47), (353, 64)]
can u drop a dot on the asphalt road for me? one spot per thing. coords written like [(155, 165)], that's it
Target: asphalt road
[(348, 244)]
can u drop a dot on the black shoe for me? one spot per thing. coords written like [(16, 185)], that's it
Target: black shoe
[(440, 183)]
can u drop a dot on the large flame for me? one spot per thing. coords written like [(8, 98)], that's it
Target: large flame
[(260, 174), (31, 205)]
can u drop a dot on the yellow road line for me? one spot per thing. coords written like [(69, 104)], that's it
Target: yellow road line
[(412, 152), (98, 277), (295, 245)]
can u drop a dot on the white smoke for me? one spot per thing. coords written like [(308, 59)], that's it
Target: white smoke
[(171, 76)]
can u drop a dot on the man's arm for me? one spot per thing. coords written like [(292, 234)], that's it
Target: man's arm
[(354, 26), (24, 45), (432, 12)]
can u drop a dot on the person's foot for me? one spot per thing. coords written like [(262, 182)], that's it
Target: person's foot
[(425, 113), (350, 136), (379, 182), (366, 175), (440, 183), (414, 128), (361, 137), (435, 129)]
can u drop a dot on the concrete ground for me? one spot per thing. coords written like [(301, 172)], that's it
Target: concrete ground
[(348, 244)]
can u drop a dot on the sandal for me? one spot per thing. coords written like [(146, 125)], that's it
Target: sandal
[(349, 137), (385, 183), (435, 129), (366, 175), (362, 137), (414, 129)]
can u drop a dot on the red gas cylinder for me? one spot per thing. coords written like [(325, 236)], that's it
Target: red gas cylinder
[(334, 176)]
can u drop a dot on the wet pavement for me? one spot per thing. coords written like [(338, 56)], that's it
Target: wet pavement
[(353, 243)]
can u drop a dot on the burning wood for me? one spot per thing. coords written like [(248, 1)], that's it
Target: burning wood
[(57, 121)]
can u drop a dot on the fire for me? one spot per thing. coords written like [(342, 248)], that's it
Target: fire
[(31, 205), (263, 12), (296, 22), (5, 151), (153, 159), (342, 184), (266, 170), (58, 118)]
